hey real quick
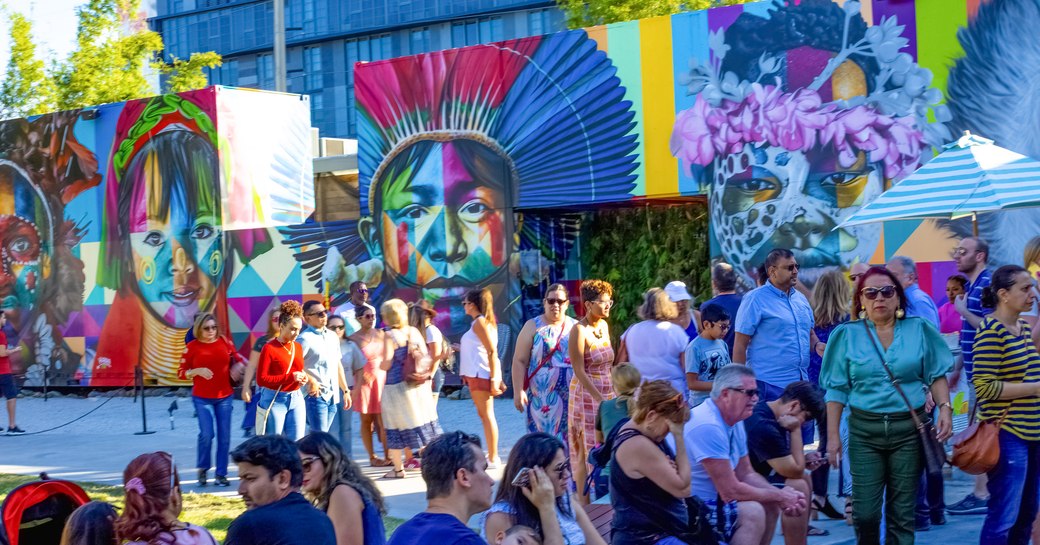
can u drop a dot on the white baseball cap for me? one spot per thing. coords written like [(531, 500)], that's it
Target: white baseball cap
[(676, 291)]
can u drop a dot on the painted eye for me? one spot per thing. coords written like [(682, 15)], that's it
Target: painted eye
[(203, 230), (414, 212), (20, 245), (840, 178), (474, 210), (155, 238), (755, 184)]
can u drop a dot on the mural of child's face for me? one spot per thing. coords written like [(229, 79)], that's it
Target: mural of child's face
[(446, 229), (24, 262), (177, 254)]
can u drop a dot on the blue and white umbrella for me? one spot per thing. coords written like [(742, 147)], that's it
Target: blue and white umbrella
[(970, 176)]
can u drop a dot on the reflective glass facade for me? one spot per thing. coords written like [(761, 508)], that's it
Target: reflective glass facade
[(325, 38)]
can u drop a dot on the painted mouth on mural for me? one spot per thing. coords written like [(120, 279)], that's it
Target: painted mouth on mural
[(184, 296)]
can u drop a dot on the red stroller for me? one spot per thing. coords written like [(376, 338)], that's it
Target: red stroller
[(35, 513)]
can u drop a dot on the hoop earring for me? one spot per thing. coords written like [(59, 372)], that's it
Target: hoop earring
[(215, 261), (900, 313), (147, 270)]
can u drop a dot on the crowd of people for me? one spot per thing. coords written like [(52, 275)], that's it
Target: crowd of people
[(717, 423)]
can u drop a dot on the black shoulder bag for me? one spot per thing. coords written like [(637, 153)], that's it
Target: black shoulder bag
[(931, 448)]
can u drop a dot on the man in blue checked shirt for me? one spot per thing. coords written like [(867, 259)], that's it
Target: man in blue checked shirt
[(321, 360)]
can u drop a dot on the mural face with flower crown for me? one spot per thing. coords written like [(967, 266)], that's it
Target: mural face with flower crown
[(800, 119)]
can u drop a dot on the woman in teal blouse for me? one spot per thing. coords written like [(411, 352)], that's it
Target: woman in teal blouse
[(884, 449)]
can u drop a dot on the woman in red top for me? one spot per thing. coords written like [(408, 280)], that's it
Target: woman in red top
[(279, 375), (207, 362)]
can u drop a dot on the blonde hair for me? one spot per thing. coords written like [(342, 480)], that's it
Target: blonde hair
[(662, 398), (196, 329), (394, 313), (657, 306), (1031, 255), (831, 298), (625, 378)]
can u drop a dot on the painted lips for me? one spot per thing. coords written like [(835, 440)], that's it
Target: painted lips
[(184, 296)]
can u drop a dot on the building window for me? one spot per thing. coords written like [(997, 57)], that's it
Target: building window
[(312, 68), (477, 31), (539, 22), (317, 109), (265, 71), (420, 40)]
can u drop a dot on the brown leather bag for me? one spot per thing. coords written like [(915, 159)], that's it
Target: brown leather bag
[(977, 449)]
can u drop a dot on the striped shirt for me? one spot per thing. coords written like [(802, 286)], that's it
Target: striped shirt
[(974, 296), (1002, 357)]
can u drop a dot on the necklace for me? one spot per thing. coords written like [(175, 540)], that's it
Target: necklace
[(283, 343), (596, 330)]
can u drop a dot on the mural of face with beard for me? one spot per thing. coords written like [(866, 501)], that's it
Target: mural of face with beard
[(26, 238)]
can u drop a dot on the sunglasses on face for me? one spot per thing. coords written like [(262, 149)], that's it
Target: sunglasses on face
[(605, 303), (209, 328), (790, 268), (560, 302), (886, 292), (320, 314), (960, 252), (562, 469), (750, 392), (369, 316), (308, 462), (337, 327), (362, 290)]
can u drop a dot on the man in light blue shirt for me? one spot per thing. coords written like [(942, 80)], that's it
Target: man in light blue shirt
[(774, 328), (321, 360), (918, 303), (719, 466)]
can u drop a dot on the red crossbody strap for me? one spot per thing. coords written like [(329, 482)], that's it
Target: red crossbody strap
[(545, 359)]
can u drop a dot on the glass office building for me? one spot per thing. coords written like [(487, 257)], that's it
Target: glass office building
[(324, 38)]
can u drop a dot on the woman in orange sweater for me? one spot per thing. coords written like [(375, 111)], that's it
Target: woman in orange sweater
[(279, 374), (207, 362)]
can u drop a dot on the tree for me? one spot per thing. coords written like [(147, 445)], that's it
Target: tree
[(187, 75), (26, 89), (585, 13)]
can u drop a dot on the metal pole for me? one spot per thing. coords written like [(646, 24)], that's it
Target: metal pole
[(279, 46), (139, 379)]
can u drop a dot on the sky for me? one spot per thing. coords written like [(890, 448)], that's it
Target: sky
[(54, 27)]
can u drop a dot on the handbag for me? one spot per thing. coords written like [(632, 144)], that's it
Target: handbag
[(418, 365), (976, 450), (931, 448), (545, 360), (236, 367)]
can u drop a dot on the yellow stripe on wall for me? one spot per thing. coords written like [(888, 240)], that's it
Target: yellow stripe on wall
[(662, 170)]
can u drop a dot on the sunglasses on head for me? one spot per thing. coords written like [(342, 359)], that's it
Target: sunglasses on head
[(886, 292)]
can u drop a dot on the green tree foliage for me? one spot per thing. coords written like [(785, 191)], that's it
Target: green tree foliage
[(636, 249), (26, 89), (187, 75), (585, 13)]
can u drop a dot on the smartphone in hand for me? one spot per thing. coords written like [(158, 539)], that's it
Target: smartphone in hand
[(523, 477)]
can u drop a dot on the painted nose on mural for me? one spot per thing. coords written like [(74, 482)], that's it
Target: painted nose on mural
[(452, 250), (803, 234), (185, 282)]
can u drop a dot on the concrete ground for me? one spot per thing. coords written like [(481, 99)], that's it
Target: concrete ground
[(98, 445)]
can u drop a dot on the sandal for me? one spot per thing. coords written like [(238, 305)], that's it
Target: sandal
[(814, 531), (827, 508), (379, 462), (848, 511), (395, 474)]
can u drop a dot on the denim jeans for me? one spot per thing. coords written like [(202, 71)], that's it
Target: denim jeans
[(288, 415), (345, 428), (1014, 485), (213, 413), (249, 419), (320, 413)]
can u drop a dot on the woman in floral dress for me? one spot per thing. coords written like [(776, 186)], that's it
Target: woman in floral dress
[(589, 344), (542, 364)]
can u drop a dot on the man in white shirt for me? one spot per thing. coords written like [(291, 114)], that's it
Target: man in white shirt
[(358, 297)]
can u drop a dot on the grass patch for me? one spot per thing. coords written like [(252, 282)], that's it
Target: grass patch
[(214, 513)]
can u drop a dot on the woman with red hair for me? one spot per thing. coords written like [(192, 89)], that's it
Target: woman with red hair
[(153, 504)]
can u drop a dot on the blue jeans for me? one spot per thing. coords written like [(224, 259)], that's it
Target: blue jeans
[(1014, 486), (288, 415), (345, 427), (212, 411), (320, 413), (249, 419)]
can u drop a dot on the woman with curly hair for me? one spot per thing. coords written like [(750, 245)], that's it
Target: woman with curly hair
[(591, 357), (336, 485), (152, 504), (280, 376)]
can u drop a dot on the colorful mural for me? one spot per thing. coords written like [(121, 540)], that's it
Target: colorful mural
[(120, 223)]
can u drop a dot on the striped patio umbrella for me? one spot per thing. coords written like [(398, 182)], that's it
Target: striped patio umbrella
[(970, 176)]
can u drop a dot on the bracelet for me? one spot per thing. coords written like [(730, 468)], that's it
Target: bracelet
[(947, 405)]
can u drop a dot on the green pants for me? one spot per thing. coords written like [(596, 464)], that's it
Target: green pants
[(885, 458)]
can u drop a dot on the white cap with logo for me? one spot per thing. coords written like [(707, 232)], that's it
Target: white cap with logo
[(676, 291)]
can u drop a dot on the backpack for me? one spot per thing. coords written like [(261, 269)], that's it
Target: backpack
[(599, 458), (35, 513)]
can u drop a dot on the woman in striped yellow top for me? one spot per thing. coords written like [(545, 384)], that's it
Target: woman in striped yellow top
[(1007, 377)]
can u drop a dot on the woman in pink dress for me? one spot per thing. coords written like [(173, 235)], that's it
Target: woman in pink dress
[(591, 357), (369, 382)]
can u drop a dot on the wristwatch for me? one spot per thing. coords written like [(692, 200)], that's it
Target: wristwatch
[(946, 404)]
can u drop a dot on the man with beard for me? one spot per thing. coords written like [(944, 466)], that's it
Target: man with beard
[(721, 470), (358, 297), (774, 328), (971, 256), (270, 474)]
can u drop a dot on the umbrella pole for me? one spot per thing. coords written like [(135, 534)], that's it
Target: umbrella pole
[(974, 225)]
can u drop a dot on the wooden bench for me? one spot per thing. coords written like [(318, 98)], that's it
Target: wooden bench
[(601, 515)]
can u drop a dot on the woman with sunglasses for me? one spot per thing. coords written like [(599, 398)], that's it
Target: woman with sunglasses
[(207, 363), (884, 447), (153, 503), (337, 486), (542, 364), (591, 357), (369, 382), (545, 453), (249, 420)]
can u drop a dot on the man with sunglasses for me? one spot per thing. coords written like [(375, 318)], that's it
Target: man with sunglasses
[(721, 473), (776, 451), (774, 329), (348, 310), (322, 361)]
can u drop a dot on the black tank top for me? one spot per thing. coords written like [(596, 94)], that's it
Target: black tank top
[(635, 499)]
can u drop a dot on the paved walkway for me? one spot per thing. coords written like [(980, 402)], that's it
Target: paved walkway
[(98, 446)]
